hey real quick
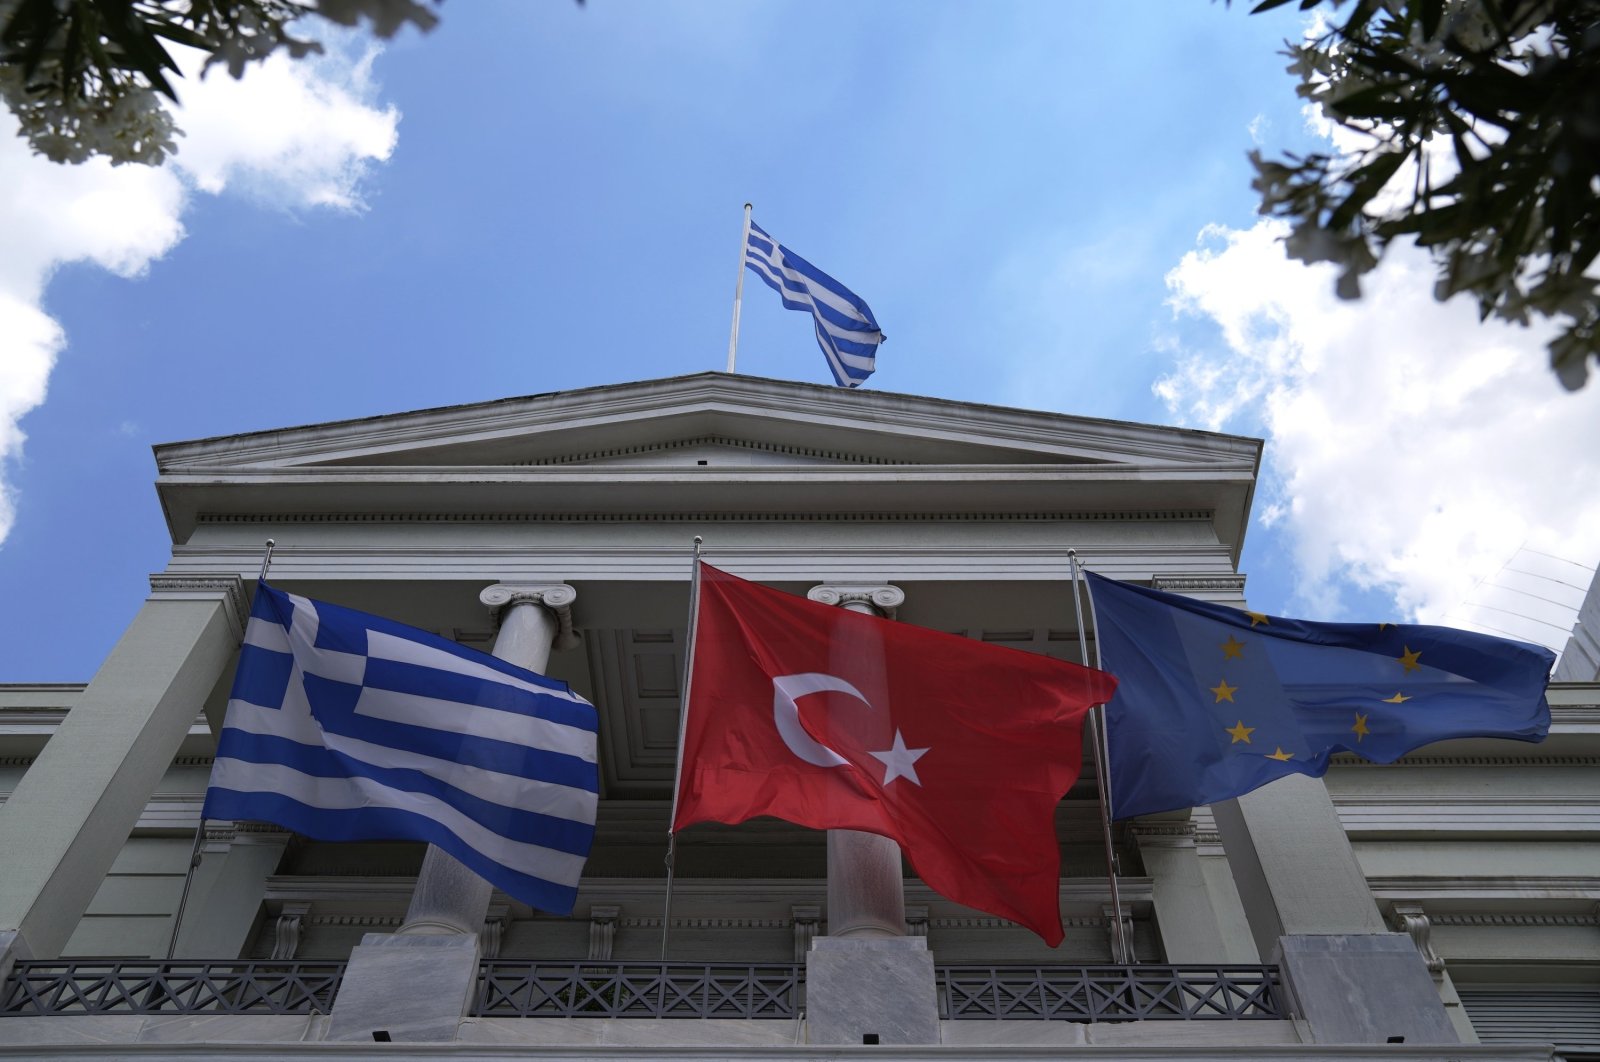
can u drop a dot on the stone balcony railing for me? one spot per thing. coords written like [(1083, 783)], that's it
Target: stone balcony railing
[(526, 989)]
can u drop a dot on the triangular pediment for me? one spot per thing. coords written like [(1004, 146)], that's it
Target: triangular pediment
[(709, 445), (710, 417)]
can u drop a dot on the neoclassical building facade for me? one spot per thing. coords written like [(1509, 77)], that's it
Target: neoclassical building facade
[(1442, 907)]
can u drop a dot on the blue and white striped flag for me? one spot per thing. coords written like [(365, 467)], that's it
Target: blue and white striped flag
[(846, 330), (345, 727)]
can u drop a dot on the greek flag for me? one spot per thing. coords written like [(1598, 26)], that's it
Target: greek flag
[(846, 330), (346, 727)]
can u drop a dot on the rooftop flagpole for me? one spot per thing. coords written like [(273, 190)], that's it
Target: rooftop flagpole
[(200, 827), (683, 715), (1102, 765), (738, 290)]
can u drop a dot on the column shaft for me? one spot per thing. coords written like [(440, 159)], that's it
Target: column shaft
[(866, 889), (450, 898), (416, 984)]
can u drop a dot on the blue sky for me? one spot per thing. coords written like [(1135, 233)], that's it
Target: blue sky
[(1046, 204)]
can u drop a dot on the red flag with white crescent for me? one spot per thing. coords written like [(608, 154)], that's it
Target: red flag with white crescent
[(827, 718)]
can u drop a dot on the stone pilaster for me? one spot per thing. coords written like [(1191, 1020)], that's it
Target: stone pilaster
[(1190, 930), (71, 812), (229, 885)]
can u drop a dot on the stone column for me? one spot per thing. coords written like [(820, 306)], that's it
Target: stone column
[(416, 984), (74, 808), (866, 890), (448, 897), (867, 981)]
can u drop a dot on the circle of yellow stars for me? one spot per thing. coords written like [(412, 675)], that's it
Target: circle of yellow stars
[(1233, 649)]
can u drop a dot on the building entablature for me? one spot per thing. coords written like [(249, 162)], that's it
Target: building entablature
[(712, 446)]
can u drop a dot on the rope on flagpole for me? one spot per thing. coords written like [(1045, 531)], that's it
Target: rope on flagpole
[(200, 827), (1102, 765), (738, 290), (683, 718)]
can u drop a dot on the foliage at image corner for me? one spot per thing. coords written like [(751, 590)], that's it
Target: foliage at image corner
[(1476, 126), (93, 77)]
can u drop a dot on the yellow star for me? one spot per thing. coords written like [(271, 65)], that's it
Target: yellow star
[(1279, 754), (1409, 659), (1240, 732), (1384, 626), (1360, 728), (1256, 617), (1224, 691), (1398, 698), (1232, 648)]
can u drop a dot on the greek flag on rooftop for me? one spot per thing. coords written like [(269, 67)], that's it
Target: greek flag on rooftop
[(344, 727), (846, 330)]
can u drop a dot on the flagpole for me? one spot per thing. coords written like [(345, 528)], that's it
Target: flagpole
[(738, 293), (683, 711), (200, 827), (1101, 765)]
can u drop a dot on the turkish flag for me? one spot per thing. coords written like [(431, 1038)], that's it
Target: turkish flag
[(831, 719)]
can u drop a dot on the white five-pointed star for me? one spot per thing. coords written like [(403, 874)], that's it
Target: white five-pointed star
[(899, 762)]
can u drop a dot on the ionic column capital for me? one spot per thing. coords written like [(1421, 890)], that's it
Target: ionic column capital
[(881, 600), (555, 598)]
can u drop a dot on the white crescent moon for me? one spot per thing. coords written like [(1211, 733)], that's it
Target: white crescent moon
[(786, 689)]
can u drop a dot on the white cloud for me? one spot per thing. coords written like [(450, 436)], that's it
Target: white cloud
[(290, 134), (1410, 449), (296, 133)]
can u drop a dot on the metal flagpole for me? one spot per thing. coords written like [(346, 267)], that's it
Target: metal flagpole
[(683, 713), (738, 290), (200, 828), (1102, 767)]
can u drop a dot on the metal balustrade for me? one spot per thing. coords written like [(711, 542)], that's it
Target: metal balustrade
[(141, 987), (512, 989), (1108, 993), (526, 989)]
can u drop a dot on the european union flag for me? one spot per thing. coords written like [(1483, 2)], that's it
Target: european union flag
[(1213, 702)]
